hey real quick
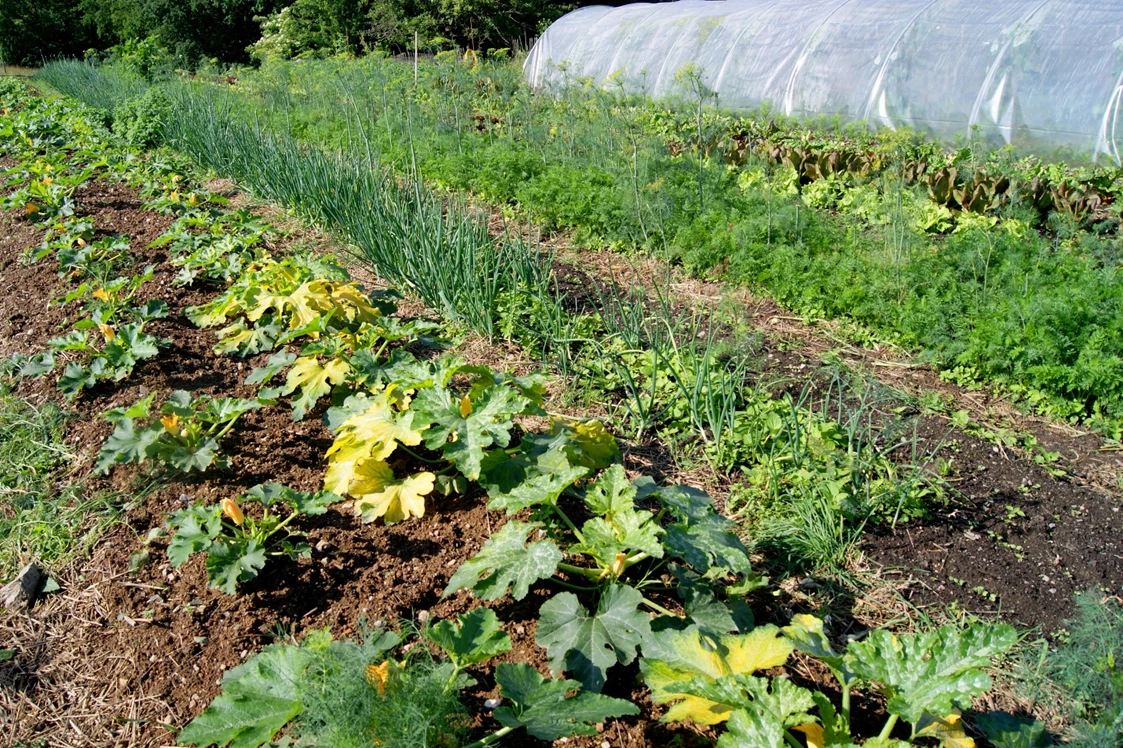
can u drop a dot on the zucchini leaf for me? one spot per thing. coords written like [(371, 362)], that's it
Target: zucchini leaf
[(621, 528), (545, 708), (806, 632), (588, 645), (371, 434), (933, 672), (231, 562), (587, 443), (514, 483), (506, 561), (675, 658), (127, 444), (778, 698), (258, 698), (701, 536), (471, 639), (948, 730), (314, 380), (462, 428), (752, 729), (379, 494)]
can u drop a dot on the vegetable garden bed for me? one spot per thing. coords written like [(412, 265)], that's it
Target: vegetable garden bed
[(142, 646)]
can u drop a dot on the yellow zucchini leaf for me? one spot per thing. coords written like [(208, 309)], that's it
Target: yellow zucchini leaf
[(379, 494)]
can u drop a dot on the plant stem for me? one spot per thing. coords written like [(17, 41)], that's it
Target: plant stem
[(283, 523), (492, 738), (566, 520), (381, 348), (889, 725), (660, 609), (790, 739), (227, 428), (416, 456), (574, 587), (452, 678), (593, 574), (633, 560)]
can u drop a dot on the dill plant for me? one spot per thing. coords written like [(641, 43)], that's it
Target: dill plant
[(413, 707), (1087, 666)]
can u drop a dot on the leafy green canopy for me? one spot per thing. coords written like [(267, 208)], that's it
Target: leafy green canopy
[(317, 26), (34, 30), (230, 30)]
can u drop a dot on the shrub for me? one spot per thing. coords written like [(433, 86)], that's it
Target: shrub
[(140, 120)]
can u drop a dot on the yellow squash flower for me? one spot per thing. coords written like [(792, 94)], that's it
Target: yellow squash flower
[(617, 567), (231, 509), (379, 675)]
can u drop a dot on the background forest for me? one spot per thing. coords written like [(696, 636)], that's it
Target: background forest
[(32, 31)]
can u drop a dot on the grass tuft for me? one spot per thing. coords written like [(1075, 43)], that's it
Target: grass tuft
[(44, 514)]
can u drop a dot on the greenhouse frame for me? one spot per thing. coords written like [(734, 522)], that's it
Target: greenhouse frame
[(1046, 74)]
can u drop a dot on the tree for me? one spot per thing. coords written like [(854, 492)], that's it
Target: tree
[(222, 29), (309, 26), (32, 31), (474, 24)]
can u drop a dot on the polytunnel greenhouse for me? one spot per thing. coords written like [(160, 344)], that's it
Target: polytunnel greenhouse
[(1046, 74)]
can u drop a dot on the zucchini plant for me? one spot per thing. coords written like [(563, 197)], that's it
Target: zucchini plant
[(927, 678), (182, 435), (122, 348), (405, 696), (608, 542), (45, 199), (215, 248), (465, 431), (98, 348), (238, 541), (635, 536)]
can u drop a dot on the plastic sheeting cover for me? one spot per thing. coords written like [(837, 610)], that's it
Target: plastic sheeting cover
[(1046, 74)]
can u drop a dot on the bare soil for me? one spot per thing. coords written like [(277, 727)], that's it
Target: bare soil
[(122, 659), (1015, 541)]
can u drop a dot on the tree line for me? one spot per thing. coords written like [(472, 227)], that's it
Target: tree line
[(238, 31)]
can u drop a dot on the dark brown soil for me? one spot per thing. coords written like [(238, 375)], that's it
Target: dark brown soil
[(123, 655), (1015, 541)]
